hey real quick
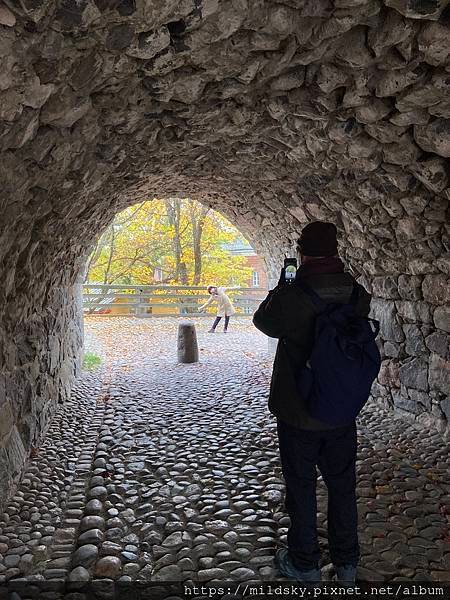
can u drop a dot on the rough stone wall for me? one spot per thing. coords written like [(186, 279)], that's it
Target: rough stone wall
[(41, 352), (415, 376), (274, 113)]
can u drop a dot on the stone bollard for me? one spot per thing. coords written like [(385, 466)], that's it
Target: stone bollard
[(187, 343)]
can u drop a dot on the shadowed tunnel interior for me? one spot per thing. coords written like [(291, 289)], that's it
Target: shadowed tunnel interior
[(273, 113)]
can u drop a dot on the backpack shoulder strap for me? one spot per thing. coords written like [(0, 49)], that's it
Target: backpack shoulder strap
[(315, 298)]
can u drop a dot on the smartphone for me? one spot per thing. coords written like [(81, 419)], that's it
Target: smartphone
[(290, 269)]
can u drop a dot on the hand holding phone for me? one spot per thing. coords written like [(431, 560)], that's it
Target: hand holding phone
[(290, 269)]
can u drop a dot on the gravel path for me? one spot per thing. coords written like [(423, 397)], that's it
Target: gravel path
[(157, 472)]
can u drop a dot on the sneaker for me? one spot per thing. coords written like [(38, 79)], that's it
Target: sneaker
[(346, 574), (211, 331), (225, 331), (286, 567)]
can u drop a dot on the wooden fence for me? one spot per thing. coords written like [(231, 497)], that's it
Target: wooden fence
[(161, 300)]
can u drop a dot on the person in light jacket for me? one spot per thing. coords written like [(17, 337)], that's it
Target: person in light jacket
[(224, 305)]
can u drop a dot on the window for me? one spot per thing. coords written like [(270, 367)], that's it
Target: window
[(255, 279)]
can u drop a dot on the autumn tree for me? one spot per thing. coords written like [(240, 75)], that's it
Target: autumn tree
[(183, 238)]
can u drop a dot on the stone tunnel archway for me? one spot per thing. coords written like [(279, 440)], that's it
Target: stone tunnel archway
[(273, 113)]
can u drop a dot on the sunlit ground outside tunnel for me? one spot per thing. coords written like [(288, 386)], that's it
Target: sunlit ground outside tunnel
[(159, 471)]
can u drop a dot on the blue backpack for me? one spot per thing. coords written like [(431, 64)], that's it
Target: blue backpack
[(345, 360)]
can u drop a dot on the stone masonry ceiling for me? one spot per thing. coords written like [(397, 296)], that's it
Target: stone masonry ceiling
[(275, 112)]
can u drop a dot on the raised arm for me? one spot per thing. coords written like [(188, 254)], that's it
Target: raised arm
[(207, 303)]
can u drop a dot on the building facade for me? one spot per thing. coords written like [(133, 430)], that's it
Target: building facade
[(258, 277)]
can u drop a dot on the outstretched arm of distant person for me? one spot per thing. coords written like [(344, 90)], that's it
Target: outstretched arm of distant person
[(207, 303)]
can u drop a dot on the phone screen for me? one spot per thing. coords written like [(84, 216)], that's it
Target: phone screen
[(290, 268)]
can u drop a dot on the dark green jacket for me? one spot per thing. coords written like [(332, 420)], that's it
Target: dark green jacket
[(288, 314)]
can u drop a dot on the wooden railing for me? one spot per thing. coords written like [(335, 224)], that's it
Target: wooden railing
[(162, 300)]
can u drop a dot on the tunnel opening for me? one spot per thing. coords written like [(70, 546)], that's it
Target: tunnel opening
[(176, 243)]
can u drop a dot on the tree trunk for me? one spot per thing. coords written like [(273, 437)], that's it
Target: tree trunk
[(197, 222), (111, 254), (183, 273), (94, 255), (173, 212)]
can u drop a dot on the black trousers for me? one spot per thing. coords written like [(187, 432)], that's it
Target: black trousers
[(334, 452), (217, 321)]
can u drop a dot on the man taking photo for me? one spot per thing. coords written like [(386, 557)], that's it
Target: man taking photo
[(289, 314)]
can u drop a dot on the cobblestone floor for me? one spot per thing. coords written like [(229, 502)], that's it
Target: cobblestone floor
[(157, 471)]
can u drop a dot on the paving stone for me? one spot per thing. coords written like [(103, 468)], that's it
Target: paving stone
[(11, 561), (91, 536), (167, 573), (174, 540), (85, 556), (131, 569), (79, 574), (210, 574), (93, 507), (92, 522), (108, 566), (242, 573)]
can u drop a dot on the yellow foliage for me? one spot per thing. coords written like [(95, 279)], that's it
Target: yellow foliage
[(142, 237)]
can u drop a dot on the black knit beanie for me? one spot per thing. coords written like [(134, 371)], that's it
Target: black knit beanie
[(318, 239)]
